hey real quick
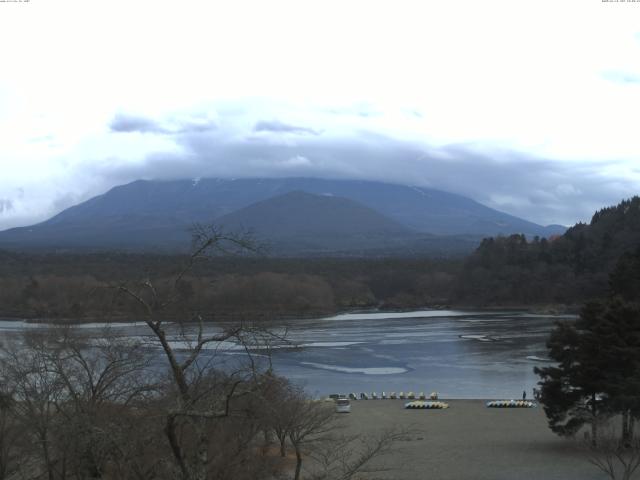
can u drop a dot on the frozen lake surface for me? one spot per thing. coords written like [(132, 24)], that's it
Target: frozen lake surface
[(459, 354)]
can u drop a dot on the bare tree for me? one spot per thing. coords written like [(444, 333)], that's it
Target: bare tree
[(343, 457), (102, 375), (66, 389), (279, 399), (198, 398), (310, 420), (35, 392), (617, 457), (11, 438)]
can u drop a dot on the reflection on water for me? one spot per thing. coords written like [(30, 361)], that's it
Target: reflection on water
[(459, 354)]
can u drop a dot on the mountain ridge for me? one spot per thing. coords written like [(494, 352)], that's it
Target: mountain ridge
[(157, 214)]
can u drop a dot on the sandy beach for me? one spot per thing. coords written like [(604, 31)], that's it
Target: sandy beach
[(470, 441)]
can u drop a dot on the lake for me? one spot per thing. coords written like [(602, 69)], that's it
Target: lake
[(460, 354), (456, 353)]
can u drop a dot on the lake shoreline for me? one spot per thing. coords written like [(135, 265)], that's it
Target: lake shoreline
[(536, 309)]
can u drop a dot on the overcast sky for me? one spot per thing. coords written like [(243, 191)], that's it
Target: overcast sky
[(530, 107)]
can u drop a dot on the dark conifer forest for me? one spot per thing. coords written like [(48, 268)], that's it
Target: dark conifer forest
[(568, 269)]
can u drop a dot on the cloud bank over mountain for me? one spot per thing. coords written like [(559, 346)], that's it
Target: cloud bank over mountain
[(540, 189), (519, 106)]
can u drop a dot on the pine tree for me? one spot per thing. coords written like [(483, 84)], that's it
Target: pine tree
[(572, 392), (598, 370)]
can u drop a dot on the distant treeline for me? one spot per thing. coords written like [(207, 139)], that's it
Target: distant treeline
[(82, 286), (505, 271)]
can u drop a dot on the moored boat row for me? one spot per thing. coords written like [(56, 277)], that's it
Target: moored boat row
[(420, 404), (420, 400), (511, 404), (385, 396)]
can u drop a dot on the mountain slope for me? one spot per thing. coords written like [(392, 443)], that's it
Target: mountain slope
[(423, 209), (122, 232), (157, 214), (303, 222), (300, 213)]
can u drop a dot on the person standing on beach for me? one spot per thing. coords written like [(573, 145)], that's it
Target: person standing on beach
[(524, 395)]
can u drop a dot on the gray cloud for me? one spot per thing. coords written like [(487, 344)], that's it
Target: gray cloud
[(537, 189), (6, 205), (66, 200), (195, 126), (124, 123), (534, 188), (131, 123), (279, 127)]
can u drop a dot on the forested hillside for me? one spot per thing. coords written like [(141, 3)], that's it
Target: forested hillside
[(76, 287), (566, 269)]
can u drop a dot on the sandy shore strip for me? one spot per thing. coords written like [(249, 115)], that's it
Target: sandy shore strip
[(470, 441)]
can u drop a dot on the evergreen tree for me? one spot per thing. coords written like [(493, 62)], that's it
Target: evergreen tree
[(572, 392), (569, 269), (625, 278), (598, 370)]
